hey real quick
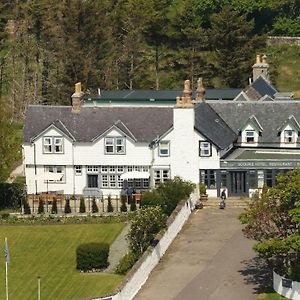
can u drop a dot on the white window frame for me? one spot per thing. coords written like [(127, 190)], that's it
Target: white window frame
[(92, 169), (250, 136), (56, 170), (205, 148), (289, 136), (58, 144), (78, 170), (51, 142), (164, 148), (114, 145), (161, 175)]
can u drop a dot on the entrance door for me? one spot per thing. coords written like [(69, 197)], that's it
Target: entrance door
[(238, 183)]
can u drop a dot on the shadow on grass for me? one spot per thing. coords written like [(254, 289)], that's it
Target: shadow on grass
[(257, 273)]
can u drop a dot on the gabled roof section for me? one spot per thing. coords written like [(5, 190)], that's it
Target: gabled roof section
[(263, 87), (271, 115), (291, 120), (59, 126), (254, 122), (212, 126), (143, 124), (242, 96), (266, 98)]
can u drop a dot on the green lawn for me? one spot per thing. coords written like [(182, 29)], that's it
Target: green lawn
[(49, 251), (270, 296)]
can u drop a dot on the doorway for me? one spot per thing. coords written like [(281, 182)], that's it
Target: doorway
[(238, 185)]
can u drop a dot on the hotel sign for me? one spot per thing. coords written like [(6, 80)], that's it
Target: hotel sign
[(271, 164)]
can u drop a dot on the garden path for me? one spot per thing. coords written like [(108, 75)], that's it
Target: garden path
[(117, 250)]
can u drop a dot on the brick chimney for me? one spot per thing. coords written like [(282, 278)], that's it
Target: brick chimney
[(261, 68), (77, 98), (200, 92), (186, 100)]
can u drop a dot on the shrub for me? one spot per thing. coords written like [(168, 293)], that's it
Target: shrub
[(82, 205), (41, 209), (67, 206), (152, 198), (92, 256), (123, 207), (202, 189), (27, 210), (126, 263), (95, 208), (145, 225), (109, 204), (133, 204), (54, 206)]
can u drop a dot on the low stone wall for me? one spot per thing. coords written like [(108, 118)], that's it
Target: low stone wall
[(292, 292), (141, 270), (283, 40)]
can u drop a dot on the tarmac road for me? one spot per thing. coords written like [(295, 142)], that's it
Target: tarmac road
[(209, 259)]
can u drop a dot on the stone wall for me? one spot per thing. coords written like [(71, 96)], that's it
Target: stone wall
[(283, 40), (141, 270), (292, 292)]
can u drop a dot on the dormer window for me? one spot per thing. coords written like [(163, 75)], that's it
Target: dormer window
[(289, 136), (250, 134)]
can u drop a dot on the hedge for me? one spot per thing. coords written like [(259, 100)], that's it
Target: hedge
[(92, 256)]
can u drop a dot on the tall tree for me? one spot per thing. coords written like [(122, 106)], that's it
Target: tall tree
[(234, 46)]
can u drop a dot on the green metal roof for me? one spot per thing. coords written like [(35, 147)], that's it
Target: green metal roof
[(268, 154), (153, 96)]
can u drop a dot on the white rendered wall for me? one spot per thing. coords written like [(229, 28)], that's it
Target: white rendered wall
[(184, 162), (290, 293), (209, 162)]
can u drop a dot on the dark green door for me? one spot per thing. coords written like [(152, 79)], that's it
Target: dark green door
[(238, 185)]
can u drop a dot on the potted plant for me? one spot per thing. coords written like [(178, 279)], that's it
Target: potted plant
[(202, 190)]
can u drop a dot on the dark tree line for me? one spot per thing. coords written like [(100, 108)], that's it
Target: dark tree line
[(47, 46)]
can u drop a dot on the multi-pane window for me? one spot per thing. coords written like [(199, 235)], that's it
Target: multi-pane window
[(120, 145), (250, 134), (114, 145), (58, 144), (205, 149), (53, 144), (92, 169), (78, 170), (111, 176), (164, 148), (289, 136), (209, 178), (59, 174), (161, 176), (48, 145), (252, 179)]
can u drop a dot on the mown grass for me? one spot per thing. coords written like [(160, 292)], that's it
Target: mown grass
[(270, 296), (49, 251)]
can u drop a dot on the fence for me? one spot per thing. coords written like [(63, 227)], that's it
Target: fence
[(102, 203), (283, 40)]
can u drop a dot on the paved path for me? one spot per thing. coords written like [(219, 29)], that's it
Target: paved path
[(117, 250), (210, 259)]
